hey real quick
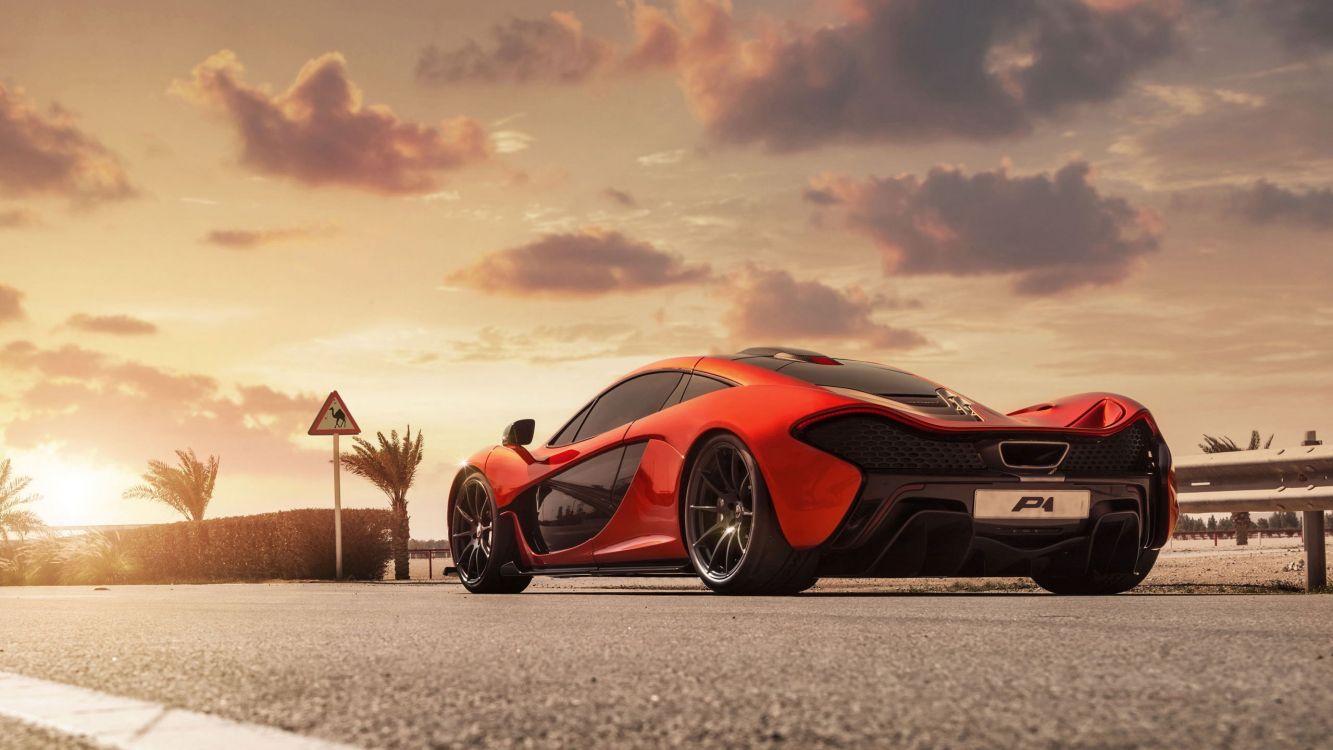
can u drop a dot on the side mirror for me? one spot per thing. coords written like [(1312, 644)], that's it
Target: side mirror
[(519, 433)]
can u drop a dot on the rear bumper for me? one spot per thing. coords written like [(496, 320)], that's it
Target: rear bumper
[(906, 526), (913, 513)]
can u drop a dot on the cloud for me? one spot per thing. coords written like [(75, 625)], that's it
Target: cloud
[(18, 218), (586, 262), (318, 132), (1235, 139), (88, 402), (657, 40), (911, 70), (553, 49), (119, 325), (45, 153), (1054, 232), (511, 141), (246, 239), (620, 197), (770, 305), (1303, 24), (11, 304), (1266, 203), (661, 158)]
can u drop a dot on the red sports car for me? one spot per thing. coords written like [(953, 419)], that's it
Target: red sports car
[(763, 471)]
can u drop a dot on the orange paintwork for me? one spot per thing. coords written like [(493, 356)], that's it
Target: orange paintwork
[(811, 490)]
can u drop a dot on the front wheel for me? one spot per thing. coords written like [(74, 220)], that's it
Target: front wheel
[(1098, 584), (734, 541), (483, 542)]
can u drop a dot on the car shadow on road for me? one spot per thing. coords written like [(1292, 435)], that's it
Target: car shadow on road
[(803, 595)]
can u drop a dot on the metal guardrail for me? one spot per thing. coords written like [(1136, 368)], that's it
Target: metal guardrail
[(1229, 533), (431, 555), (1294, 479)]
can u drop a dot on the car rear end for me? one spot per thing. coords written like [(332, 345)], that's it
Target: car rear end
[(994, 499)]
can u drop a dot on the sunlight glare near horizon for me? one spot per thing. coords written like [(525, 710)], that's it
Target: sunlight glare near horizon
[(76, 492)]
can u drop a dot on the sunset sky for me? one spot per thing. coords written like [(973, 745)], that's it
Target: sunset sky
[(460, 214)]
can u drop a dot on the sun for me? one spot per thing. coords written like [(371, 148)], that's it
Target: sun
[(74, 491)]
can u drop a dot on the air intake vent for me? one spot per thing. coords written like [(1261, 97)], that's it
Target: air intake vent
[(1032, 454)]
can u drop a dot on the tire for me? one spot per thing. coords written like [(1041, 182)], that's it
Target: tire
[(1098, 584), (484, 540), (730, 529)]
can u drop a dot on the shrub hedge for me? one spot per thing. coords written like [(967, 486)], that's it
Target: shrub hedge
[(293, 544)]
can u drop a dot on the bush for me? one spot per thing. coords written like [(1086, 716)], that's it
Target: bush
[(294, 544)]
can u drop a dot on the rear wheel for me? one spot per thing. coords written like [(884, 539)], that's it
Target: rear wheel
[(734, 541), (1098, 584), (483, 541)]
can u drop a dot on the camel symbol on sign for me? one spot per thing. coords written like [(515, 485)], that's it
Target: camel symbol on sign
[(334, 418)]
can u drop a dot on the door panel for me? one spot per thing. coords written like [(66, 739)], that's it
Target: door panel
[(575, 504), (646, 528)]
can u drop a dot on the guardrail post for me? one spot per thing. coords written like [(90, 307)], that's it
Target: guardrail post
[(1312, 527), (1316, 571)]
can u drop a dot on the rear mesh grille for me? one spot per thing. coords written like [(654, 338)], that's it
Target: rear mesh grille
[(879, 444), (1125, 452)]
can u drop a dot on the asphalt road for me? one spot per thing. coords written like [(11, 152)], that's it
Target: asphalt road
[(590, 664)]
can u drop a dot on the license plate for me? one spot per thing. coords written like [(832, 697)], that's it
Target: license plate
[(1031, 504)]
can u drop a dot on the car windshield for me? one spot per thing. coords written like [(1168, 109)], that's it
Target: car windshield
[(851, 374)]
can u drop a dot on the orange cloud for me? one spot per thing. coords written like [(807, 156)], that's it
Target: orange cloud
[(772, 305), (18, 218), (552, 49), (901, 71), (1266, 203), (246, 239), (1055, 232), (318, 131), (621, 198), (118, 325), (591, 261), (47, 154), (11, 304), (87, 400)]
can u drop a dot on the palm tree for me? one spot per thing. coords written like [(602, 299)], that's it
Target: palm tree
[(12, 517), (97, 557), (188, 487), (1224, 444), (392, 467)]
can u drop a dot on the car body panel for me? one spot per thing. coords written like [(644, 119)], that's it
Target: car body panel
[(813, 492)]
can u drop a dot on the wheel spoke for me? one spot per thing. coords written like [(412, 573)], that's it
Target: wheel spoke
[(712, 558), (711, 486), (723, 472), (715, 527), (706, 508)]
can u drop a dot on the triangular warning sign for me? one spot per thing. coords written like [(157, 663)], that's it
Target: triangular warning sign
[(334, 418)]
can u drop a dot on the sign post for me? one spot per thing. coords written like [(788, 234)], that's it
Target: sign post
[(335, 419)]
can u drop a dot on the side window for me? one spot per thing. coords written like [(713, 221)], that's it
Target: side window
[(566, 434), (700, 385), (634, 398)]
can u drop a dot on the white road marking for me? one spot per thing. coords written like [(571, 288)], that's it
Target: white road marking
[(128, 724)]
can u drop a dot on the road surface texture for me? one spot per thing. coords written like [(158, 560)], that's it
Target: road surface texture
[(591, 663)]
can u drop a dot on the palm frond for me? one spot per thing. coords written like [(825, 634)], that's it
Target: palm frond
[(1225, 444), (186, 488)]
